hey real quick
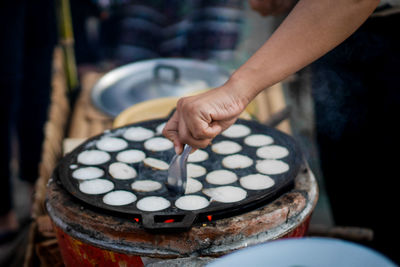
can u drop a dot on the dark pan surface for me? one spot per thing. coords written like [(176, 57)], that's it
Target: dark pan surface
[(183, 219)]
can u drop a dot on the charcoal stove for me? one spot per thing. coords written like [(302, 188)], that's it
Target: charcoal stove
[(92, 234)]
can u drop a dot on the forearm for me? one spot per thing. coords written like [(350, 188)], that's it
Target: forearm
[(312, 28)]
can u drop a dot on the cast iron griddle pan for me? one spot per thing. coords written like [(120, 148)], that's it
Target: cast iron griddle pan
[(182, 220)]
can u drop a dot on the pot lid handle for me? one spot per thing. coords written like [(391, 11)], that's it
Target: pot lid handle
[(157, 71)]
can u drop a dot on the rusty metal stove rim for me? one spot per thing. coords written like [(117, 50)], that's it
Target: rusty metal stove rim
[(283, 230), (62, 227), (306, 178)]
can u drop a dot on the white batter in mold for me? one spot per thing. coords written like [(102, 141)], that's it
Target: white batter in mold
[(153, 203), (111, 144), (93, 157), (198, 156), (237, 161), (156, 163), (257, 140), (221, 177), (193, 186), (138, 134), (146, 186), (191, 202), (256, 182), (272, 152), (236, 131), (226, 147), (131, 156), (271, 166), (160, 128), (87, 173), (194, 170), (96, 186), (158, 144), (226, 194), (119, 198), (121, 171)]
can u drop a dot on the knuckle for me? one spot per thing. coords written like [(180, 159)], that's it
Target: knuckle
[(201, 133), (204, 143), (183, 103), (179, 104), (198, 134), (193, 141)]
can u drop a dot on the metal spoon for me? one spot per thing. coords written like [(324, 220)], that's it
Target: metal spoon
[(177, 173)]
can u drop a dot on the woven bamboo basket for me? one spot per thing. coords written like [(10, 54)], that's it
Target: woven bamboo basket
[(63, 124)]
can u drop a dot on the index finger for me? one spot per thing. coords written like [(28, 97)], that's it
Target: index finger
[(170, 131)]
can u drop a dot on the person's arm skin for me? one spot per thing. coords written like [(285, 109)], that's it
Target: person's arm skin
[(272, 7), (311, 29)]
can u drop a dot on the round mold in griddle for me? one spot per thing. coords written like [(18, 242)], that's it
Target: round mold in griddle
[(184, 219)]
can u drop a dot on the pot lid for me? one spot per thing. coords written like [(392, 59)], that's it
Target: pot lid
[(150, 79)]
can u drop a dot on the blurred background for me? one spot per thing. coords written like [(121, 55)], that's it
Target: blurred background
[(99, 36)]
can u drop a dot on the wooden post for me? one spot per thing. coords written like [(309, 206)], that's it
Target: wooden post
[(276, 103), (66, 35)]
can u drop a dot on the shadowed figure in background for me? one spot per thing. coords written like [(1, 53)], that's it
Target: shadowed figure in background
[(28, 35), (123, 31), (356, 92), (356, 98)]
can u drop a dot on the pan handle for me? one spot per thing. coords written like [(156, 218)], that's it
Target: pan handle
[(178, 222)]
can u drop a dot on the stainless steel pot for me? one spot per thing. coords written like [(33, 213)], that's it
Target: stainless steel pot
[(149, 79)]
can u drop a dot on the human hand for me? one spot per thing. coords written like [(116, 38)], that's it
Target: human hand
[(272, 7), (198, 119)]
